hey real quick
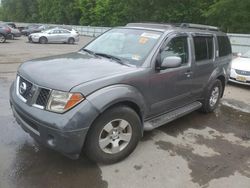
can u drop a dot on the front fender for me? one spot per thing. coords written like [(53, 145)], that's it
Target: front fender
[(103, 98)]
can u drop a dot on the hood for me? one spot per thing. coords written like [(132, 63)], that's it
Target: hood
[(241, 63), (64, 72)]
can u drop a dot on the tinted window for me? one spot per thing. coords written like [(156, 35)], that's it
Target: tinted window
[(176, 47), (224, 46), (64, 31), (203, 48)]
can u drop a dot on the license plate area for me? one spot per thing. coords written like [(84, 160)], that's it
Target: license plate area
[(241, 78)]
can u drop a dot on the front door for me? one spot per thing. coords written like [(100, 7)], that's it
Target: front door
[(172, 87)]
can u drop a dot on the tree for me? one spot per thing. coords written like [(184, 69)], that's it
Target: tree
[(230, 15)]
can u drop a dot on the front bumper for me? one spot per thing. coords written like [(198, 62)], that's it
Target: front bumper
[(33, 39), (65, 133), (239, 79)]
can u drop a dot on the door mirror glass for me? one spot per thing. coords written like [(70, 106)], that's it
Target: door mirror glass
[(171, 62)]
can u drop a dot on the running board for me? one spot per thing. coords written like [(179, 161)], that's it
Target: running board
[(168, 117)]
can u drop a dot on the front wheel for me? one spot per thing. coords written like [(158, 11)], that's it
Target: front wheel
[(212, 97), (43, 40), (114, 135)]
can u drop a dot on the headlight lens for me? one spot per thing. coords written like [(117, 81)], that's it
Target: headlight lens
[(62, 101)]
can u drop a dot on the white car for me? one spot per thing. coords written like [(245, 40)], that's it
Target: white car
[(55, 35), (240, 71)]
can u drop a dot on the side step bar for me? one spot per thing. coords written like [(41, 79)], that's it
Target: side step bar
[(168, 117)]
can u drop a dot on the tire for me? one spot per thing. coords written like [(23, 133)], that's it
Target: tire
[(124, 127), (12, 37), (2, 38), (71, 40), (212, 97), (43, 40)]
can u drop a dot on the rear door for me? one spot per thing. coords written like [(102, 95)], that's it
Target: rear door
[(65, 35), (204, 62)]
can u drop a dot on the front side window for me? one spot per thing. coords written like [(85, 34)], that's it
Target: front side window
[(132, 45), (203, 47), (178, 46)]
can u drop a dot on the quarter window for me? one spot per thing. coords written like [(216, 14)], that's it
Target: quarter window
[(224, 46), (178, 46), (203, 47)]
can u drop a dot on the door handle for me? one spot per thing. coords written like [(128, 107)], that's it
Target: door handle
[(188, 73)]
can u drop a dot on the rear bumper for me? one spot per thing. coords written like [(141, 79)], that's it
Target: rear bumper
[(17, 34), (64, 133)]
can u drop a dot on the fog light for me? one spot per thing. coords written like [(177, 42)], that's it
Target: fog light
[(51, 140)]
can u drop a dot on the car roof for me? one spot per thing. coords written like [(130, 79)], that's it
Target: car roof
[(186, 27)]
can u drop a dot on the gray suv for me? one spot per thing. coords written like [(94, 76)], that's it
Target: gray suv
[(129, 80)]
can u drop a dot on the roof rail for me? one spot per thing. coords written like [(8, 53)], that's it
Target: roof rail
[(199, 26)]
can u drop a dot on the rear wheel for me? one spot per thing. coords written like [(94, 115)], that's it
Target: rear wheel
[(43, 40), (114, 135), (2, 38), (71, 41), (212, 97), (12, 37)]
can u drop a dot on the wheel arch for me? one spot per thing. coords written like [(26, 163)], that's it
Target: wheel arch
[(223, 82), (43, 37)]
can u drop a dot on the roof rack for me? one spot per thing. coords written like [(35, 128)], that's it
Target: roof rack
[(199, 26), (150, 25), (171, 25)]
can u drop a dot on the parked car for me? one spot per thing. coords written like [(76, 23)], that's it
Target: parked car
[(128, 80), (4, 32), (55, 35), (11, 24), (13, 33), (240, 71), (35, 28)]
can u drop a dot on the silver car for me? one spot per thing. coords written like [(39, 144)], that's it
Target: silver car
[(55, 35), (240, 71)]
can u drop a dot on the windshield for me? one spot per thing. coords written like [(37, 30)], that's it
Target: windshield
[(132, 45), (246, 55)]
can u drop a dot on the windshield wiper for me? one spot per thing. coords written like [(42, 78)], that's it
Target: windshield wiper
[(117, 59), (89, 51)]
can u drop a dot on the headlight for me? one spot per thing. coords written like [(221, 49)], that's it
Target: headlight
[(62, 101)]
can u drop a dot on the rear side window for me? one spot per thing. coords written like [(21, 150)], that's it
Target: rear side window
[(203, 47), (224, 46)]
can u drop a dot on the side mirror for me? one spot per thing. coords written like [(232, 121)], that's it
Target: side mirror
[(171, 62)]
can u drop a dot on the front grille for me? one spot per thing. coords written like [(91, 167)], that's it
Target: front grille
[(241, 72), (31, 93), (25, 91), (43, 97)]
